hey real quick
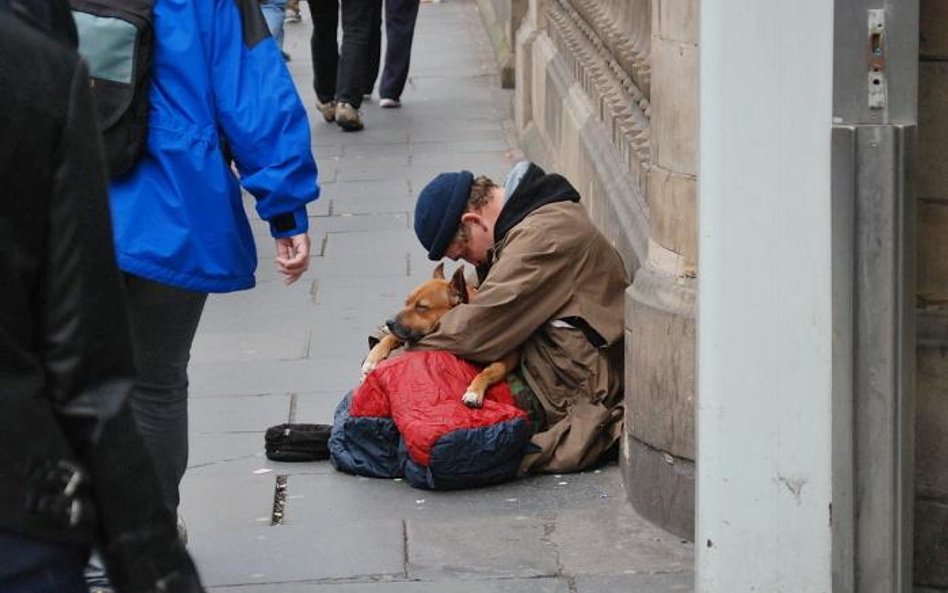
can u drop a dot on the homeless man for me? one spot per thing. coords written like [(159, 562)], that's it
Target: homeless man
[(551, 285)]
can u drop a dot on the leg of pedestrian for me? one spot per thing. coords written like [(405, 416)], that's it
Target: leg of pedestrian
[(324, 48), (400, 17), (274, 12), (293, 11), (357, 19)]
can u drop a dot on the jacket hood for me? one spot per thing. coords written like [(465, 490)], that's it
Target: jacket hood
[(535, 189)]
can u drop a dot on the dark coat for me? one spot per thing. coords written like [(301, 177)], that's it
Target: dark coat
[(72, 465)]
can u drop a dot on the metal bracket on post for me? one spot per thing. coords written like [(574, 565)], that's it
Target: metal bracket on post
[(876, 59)]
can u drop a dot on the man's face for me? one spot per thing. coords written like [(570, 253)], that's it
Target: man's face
[(480, 238)]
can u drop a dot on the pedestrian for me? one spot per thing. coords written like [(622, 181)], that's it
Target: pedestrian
[(551, 285), (293, 11), (220, 96), (358, 17), (274, 12), (400, 17), (324, 48), (73, 467)]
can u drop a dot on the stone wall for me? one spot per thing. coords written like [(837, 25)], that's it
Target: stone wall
[(931, 450), (606, 94), (502, 19)]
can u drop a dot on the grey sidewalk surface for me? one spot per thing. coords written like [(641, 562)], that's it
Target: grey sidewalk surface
[(276, 354)]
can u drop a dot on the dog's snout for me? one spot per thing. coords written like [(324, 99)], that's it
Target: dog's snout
[(390, 324)]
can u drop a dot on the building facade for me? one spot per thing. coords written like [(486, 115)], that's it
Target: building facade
[(607, 93)]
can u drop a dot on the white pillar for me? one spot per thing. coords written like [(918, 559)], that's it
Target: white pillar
[(764, 300)]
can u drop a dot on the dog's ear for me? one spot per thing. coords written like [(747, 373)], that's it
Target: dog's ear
[(459, 284), (438, 273)]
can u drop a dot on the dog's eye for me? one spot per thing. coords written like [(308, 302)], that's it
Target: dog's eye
[(421, 308)]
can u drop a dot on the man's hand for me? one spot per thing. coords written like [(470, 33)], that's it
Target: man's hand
[(292, 256)]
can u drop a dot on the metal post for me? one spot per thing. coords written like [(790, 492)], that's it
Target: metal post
[(875, 114)]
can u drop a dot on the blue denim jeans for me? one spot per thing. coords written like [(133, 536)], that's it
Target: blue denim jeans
[(274, 13), (33, 566)]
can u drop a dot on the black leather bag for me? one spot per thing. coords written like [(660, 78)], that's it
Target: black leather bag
[(298, 442)]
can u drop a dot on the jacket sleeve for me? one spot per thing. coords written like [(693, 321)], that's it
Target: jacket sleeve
[(262, 117), (86, 345), (529, 283)]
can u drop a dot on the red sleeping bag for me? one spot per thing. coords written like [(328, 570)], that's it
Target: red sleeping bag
[(407, 419)]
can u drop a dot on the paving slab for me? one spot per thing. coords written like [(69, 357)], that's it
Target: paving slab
[(238, 413), (485, 547), (383, 585), (343, 190), (233, 345), (258, 377), (264, 553), (679, 582), (256, 310), (318, 407), (217, 451), (614, 539)]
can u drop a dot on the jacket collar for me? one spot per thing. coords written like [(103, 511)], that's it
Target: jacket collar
[(535, 189)]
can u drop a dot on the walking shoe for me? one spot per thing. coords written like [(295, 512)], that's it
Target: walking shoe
[(182, 530), (327, 109), (387, 103), (348, 117)]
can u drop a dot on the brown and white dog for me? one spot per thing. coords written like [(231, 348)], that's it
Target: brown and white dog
[(424, 306)]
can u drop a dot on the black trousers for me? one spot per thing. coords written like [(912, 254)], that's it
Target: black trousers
[(324, 47), (164, 320), (358, 18), (400, 17)]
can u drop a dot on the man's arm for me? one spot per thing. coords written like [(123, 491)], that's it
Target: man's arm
[(526, 287), (267, 129)]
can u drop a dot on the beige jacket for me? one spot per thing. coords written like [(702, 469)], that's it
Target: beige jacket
[(554, 290)]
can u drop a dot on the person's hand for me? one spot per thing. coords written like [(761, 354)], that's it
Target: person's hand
[(292, 256)]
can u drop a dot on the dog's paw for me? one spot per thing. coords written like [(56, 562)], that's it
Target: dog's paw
[(472, 399), (367, 367)]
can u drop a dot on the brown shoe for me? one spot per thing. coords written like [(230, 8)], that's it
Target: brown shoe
[(348, 117), (327, 109)]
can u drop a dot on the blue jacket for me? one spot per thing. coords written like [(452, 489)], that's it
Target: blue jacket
[(178, 214)]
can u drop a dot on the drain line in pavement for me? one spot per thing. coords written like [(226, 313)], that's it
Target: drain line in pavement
[(279, 500), (293, 405), (279, 487)]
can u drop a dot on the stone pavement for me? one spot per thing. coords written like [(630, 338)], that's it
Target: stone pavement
[(277, 354)]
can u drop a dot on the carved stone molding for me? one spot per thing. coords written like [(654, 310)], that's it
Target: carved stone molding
[(613, 71)]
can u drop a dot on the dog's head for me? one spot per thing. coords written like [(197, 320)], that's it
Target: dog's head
[(427, 304)]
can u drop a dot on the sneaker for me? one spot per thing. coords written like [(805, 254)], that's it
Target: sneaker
[(182, 530), (327, 109), (293, 16), (387, 103), (348, 117)]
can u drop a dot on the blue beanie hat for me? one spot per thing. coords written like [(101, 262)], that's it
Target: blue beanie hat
[(439, 209)]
